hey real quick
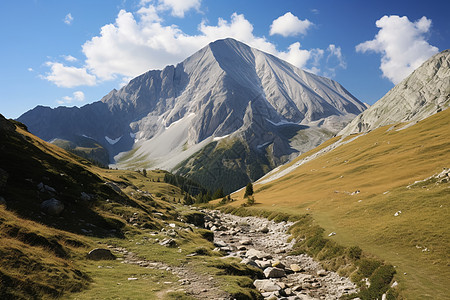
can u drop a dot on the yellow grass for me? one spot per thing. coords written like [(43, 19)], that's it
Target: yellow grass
[(380, 165)]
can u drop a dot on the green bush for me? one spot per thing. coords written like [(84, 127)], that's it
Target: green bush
[(354, 252), (368, 266)]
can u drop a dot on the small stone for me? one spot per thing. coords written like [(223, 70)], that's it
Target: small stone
[(132, 278), (278, 264), (296, 268), (246, 242), (264, 230), (322, 273)]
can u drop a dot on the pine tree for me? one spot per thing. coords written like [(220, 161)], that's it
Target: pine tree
[(248, 190)]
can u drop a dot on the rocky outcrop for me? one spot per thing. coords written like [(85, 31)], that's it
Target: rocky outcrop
[(423, 93)]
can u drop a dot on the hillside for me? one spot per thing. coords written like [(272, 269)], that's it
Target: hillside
[(44, 244), (378, 192)]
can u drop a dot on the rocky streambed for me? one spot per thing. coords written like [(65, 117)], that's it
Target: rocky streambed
[(264, 244)]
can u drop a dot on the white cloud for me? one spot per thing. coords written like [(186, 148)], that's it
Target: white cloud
[(68, 77), (334, 61), (289, 25), (132, 46), (30, 69), (68, 19), (295, 55), (138, 42), (69, 58), (179, 7), (402, 45), (77, 96)]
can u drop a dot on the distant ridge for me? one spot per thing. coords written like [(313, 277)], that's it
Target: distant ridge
[(422, 94)]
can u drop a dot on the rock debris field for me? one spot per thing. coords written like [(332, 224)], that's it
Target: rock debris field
[(263, 244), (260, 243)]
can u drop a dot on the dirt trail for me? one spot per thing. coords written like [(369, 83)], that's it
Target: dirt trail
[(199, 286)]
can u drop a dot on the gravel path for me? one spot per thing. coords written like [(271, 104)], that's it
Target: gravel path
[(263, 243)]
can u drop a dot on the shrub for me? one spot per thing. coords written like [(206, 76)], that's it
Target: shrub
[(354, 252), (368, 266)]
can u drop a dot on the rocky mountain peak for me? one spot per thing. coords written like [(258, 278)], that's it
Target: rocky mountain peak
[(420, 95)]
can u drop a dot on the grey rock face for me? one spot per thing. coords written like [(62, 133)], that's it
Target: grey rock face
[(52, 207), (422, 94)]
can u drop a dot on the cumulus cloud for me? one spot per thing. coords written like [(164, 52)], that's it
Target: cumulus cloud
[(77, 96), (402, 45), (132, 46), (68, 19), (64, 76), (179, 7), (69, 58), (289, 25), (138, 42)]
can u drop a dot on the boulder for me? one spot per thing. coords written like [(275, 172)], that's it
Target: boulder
[(249, 262), (52, 207), (266, 285), (101, 254), (271, 272), (256, 254), (263, 263), (220, 244)]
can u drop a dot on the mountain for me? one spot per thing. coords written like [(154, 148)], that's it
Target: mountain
[(422, 94), (224, 116)]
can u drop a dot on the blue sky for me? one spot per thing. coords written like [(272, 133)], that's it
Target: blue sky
[(70, 53)]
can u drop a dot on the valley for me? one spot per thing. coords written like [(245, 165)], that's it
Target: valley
[(284, 186)]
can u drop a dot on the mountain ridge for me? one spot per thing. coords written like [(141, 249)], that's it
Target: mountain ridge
[(226, 90), (423, 93)]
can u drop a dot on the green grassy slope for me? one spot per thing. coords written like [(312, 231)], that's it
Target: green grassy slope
[(380, 165), (44, 256)]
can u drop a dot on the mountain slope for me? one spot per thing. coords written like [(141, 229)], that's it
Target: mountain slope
[(225, 91), (423, 93), (44, 252), (380, 191)]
